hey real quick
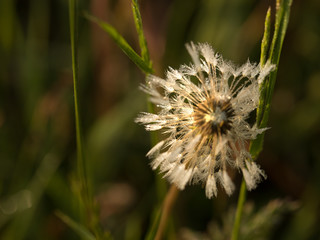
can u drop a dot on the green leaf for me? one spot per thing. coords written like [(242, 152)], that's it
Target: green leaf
[(256, 146), (142, 40), (263, 58), (263, 111), (78, 228), (122, 43), (266, 38), (281, 23)]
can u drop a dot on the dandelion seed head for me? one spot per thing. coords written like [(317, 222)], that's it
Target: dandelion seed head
[(203, 112)]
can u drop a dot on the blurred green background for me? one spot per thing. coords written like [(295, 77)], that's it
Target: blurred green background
[(37, 132)]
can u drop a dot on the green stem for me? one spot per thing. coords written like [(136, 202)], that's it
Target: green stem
[(74, 54), (87, 211), (237, 222)]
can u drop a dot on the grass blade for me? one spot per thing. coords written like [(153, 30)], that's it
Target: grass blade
[(79, 229), (88, 213), (74, 54), (142, 40), (281, 24), (282, 20), (263, 59), (122, 43), (266, 38)]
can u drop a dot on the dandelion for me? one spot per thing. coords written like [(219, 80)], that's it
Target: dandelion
[(203, 113)]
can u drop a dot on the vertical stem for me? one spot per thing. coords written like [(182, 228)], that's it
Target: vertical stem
[(81, 167), (74, 55), (166, 209), (237, 222)]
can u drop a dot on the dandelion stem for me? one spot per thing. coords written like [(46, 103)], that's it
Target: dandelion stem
[(166, 209), (237, 222)]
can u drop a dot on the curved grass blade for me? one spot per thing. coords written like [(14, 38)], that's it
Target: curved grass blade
[(122, 43), (78, 228)]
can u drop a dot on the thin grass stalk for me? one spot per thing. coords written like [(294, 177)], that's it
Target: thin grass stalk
[(81, 168), (87, 210)]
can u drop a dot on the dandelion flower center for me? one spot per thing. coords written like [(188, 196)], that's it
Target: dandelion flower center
[(214, 117)]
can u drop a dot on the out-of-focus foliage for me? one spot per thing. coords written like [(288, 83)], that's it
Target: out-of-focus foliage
[(37, 133), (256, 224)]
